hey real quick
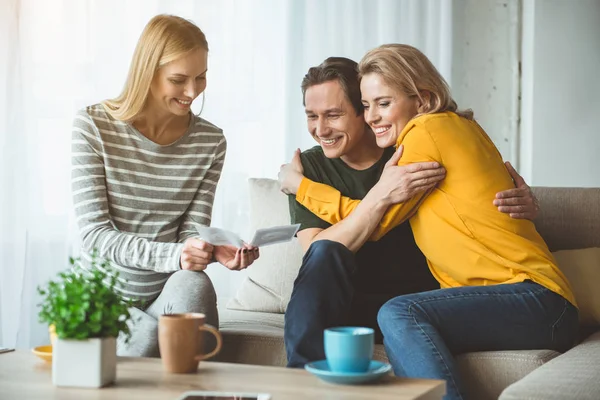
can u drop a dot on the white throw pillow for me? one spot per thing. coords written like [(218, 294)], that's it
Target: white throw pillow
[(270, 280), (582, 269)]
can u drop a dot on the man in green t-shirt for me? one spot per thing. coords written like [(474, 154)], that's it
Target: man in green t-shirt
[(344, 279)]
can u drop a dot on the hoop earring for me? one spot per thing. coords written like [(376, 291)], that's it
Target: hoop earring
[(203, 102)]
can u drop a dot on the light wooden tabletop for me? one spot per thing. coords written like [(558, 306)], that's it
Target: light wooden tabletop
[(24, 376)]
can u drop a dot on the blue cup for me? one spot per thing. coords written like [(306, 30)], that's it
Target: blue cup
[(349, 348)]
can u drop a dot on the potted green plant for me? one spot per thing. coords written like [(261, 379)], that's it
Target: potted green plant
[(87, 315)]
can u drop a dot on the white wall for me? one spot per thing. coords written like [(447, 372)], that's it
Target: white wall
[(560, 131), (485, 67)]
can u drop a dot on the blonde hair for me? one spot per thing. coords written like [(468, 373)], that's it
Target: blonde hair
[(165, 38), (409, 71)]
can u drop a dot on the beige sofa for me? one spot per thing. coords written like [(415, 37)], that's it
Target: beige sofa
[(252, 322)]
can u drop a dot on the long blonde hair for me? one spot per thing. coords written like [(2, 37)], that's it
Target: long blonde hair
[(164, 39), (409, 71)]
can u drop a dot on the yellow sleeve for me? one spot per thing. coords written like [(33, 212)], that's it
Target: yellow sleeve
[(325, 201), (328, 203)]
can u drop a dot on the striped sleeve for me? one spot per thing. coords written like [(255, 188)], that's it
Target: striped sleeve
[(200, 211), (90, 201)]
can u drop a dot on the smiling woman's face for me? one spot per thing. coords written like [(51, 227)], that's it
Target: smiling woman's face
[(177, 84), (387, 111)]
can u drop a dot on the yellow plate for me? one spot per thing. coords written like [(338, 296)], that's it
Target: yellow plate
[(43, 352)]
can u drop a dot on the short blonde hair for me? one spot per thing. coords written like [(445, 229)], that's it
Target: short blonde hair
[(165, 38), (409, 71)]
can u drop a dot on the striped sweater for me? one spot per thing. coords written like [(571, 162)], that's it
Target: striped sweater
[(136, 201)]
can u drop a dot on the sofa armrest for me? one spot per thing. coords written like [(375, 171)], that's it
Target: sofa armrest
[(572, 375)]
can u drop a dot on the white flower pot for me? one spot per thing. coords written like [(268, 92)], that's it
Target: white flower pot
[(90, 363)]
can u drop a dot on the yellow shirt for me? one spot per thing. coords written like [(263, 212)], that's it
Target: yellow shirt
[(466, 241)]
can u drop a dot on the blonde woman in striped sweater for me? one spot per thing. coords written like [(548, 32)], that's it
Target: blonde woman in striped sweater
[(144, 175)]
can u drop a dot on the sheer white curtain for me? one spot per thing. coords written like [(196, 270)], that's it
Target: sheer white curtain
[(57, 56)]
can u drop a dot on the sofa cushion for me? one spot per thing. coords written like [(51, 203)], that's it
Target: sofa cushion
[(251, 337), (268, 284), (269, 324), (582, 269), (573, 375), (485, 374)]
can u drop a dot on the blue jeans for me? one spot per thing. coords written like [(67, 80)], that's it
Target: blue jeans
[(321, 298), (336, 287), (424, 331)]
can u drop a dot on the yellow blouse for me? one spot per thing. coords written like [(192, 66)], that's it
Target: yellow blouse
[(466, 241)]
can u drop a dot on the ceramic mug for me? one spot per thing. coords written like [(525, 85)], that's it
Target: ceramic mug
[(349, 348), (180, 340)]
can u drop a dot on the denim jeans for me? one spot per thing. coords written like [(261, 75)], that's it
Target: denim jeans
[(321, 298), (336, 287), (423, 332)]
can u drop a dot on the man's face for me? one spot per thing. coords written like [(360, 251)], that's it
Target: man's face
[(332, 121)]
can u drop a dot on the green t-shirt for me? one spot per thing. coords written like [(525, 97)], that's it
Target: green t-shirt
[(392, 264)]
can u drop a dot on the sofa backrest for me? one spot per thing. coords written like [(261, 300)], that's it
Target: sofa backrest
[(569, 217)]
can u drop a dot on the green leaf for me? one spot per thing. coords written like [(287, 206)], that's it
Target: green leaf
[(83, 304)]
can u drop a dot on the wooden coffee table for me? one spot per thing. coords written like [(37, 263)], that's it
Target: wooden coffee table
[(24, 376)]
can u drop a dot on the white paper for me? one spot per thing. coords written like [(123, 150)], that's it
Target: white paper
[(262, 237), (276, 234), (219, 237)]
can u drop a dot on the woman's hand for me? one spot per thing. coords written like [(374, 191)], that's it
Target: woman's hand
[(290, 175), (400, 184), (234, 258), (520, 202), (196, 255)]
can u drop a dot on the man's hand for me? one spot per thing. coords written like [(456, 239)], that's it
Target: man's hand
[(236, 259), (290, 175), (196, 255), (519, 203), (399, 184)]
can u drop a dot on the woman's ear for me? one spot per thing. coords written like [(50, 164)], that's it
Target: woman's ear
[(424, 101)]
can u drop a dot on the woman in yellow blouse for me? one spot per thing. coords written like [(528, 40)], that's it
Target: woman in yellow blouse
[(500, 286)]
